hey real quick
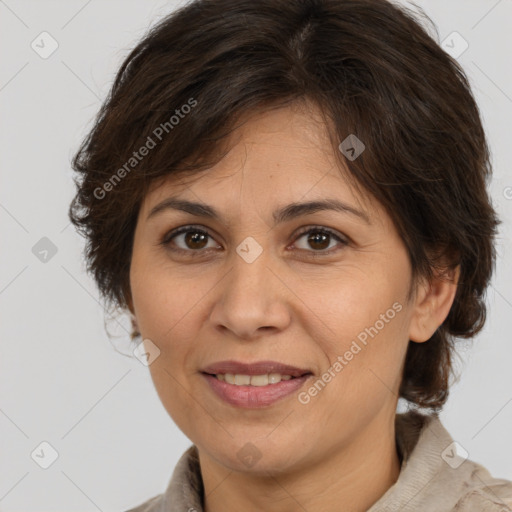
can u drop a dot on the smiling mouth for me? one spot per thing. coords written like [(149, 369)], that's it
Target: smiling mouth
[(254, 380), (255, 391)]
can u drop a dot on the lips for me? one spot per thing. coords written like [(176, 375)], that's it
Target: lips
[(255, 368), (255, 397)]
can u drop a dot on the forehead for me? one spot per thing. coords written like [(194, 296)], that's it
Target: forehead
[(275, 156)]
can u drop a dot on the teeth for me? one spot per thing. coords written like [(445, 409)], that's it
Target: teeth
[(253, 380)]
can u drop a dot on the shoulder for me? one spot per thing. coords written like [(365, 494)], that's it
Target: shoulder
[(484, 493), (152, 505), (435, 477)]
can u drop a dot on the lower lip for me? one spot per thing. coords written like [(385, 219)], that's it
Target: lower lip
[(251, 397)]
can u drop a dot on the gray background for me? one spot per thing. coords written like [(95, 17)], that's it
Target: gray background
[(61, 379)]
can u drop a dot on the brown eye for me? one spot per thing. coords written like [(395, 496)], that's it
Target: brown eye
[(187, 239), (319, 239), (195, 240)]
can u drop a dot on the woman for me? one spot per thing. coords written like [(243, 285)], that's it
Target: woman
[(289, 197)]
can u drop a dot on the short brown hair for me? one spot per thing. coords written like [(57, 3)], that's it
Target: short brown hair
[(372, 69)]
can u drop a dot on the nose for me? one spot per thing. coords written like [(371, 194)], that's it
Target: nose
[(252, 299)]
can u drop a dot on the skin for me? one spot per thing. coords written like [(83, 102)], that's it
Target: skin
[(286, 306)]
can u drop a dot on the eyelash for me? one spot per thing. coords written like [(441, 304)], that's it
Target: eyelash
[(168, 237)]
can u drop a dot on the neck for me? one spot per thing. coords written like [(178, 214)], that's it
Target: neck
[(357, 475)]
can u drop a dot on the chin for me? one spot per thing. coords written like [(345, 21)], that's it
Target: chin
[(259, 457)]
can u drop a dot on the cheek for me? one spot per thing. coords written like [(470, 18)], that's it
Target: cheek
[(168, 310), (357, 305), (166, 317), (161, 301), (364, 321)]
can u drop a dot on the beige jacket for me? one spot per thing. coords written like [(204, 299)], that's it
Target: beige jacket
[(433, 477)]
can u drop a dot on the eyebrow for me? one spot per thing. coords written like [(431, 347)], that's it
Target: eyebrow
[(284, 214)]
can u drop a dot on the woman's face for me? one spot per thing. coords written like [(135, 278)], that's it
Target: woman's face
[(263, 289)]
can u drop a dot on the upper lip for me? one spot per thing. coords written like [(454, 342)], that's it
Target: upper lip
[(255, 368)]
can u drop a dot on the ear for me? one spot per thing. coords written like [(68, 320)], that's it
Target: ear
[(135, 327), (432, 304)]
